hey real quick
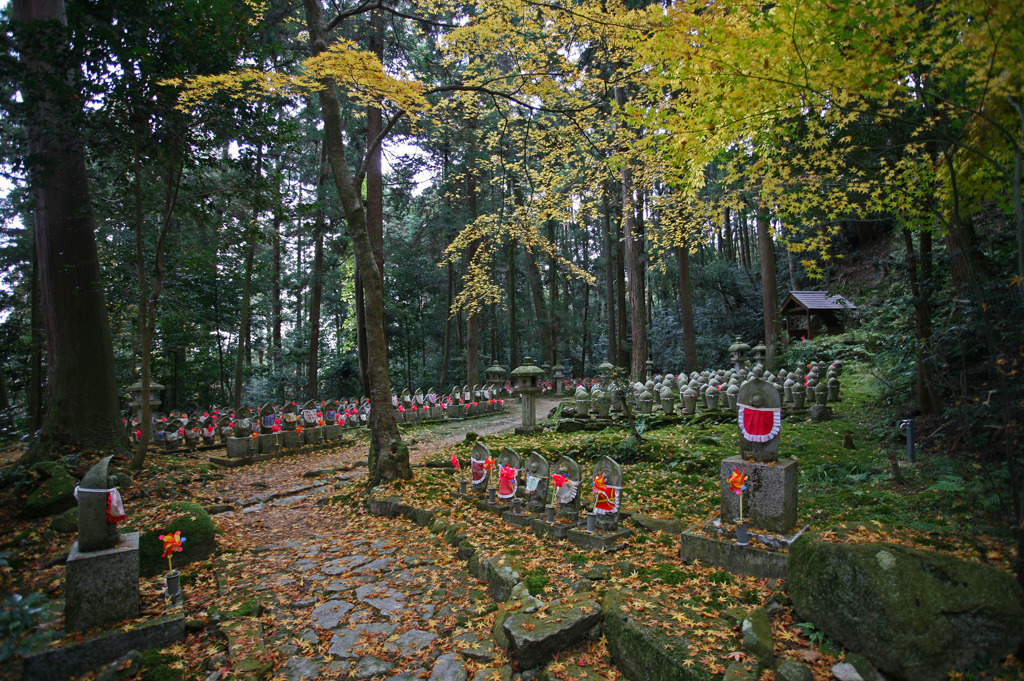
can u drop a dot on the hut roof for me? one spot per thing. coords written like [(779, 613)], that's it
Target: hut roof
[(816, 300)]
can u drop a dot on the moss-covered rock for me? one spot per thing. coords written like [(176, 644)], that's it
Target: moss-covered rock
[(55, 494), (644, 652), (536, 637), (757, 636), (916, 615), (195, 525), (66, 522)]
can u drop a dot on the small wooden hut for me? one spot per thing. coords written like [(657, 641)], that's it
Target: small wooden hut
[(813, 313)]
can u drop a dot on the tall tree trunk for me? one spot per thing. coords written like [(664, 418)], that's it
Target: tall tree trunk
[(472, 317), (83, 408), (919, 276), (745, 259), (243, 326), (312, 387), (513, 326), (38, 342), (609, 277), (149, 298), (620, 292), (317, 283), (554, 310), (374, 210), (539, 306), (634, 269), (730, 252), (446, 355), (686, 308), (362, 351), (223, 395), (390, 455), (769, 292), (276, 308)]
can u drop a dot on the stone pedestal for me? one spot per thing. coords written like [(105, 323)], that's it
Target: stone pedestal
[(821, 412), (597, 541), (556, 530), (240, 447), (497, 508), (331, 433), (268, 443), (102, 587), (311, 435), (715, 544), (290, 439), (521, 520), (770, 501)]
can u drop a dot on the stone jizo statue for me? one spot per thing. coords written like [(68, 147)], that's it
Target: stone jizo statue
[(509, 465), (607, 483), (568, 495), (537, 479), (97, 523), (760, 420)]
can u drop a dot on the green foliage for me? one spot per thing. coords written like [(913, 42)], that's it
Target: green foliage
[(20, 618), (668, 573), (535, 582), (811, 633), (157, 666)]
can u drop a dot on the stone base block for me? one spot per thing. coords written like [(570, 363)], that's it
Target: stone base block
[(528, 430), (268, 443), (821, 412), (556, 530), (331, 433), (311, 436), (240, 447), (58, 664), (597, 541), (770, 501), (496, 508), (522, 520), (290, 439), (724, 552), (102, 587)]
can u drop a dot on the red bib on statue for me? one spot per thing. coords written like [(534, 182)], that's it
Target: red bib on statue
[(759, 425)]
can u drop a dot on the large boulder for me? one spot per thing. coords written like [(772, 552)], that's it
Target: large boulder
[(644, 650), (55, 494), (536, 637), (196, 527), (916, 615)]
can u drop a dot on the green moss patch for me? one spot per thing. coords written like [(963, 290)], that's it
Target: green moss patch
[(196, 527)]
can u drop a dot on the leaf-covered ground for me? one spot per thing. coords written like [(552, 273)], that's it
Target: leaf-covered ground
[(249, 607)]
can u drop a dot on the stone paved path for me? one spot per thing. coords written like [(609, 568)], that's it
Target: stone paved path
[(432, 439), (344, 594)]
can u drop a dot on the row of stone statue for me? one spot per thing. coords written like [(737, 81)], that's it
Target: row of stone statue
[(214, 427), (537, 482), (709, 390)]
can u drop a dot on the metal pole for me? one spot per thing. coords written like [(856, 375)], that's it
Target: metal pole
[(908, 424)]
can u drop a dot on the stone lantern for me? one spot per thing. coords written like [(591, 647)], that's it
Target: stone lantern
[(154, 398), (495, 375), (559, 375), (527, 384), (760, 352), (650, 369), (738, 352)]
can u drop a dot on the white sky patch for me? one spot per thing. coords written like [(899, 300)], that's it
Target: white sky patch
[(396, 150)]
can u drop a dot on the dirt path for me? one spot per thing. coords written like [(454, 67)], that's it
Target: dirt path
[(430, 441)]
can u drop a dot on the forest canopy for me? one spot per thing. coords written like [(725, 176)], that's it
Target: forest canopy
[(288, 196)]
